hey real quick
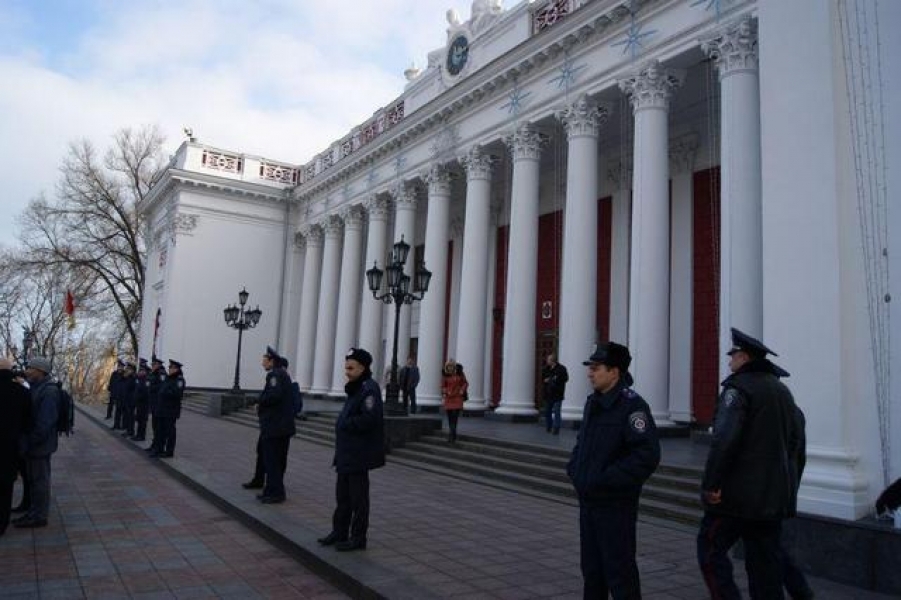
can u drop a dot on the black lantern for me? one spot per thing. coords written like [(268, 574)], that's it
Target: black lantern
[(398, 293), (237, 318)]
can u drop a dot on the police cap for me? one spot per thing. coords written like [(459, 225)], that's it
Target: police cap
[(359, 355), (612, 355), (272, 354), (741, 341), (174, 363)]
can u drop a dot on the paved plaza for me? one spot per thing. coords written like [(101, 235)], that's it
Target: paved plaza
[(127, 526)]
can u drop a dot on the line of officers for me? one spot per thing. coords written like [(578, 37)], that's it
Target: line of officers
[(142, 391)]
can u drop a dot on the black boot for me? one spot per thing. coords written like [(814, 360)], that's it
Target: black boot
[(332, 538), (351, 544)]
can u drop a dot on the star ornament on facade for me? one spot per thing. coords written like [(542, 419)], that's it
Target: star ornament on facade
[(632, 43), (569, 71), (516, 100), (716, 5)]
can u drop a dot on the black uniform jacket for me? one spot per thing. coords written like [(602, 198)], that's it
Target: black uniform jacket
[(359, 430), (15, 422), (617, 447), (170, 395), (156, 378), (275, 408), (113, 385), (142, 392), (756, 454)]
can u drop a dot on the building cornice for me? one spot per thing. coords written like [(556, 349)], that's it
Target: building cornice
[(177, 179)]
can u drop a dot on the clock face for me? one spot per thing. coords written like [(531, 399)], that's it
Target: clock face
[(457, 54)]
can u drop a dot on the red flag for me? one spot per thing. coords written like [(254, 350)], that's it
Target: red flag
[(156, 329), (70, 308)]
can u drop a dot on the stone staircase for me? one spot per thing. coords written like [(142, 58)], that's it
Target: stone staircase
[(671, 493)]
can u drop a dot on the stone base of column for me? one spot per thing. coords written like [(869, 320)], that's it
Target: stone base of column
[(833, 485), (512, 411), (475, 408), (512, 417), (430, 400), (681, 417)]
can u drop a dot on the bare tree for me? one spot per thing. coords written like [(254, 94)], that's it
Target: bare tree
[(92, 227)]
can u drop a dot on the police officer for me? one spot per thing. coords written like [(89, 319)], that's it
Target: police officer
[(127, 393), (275, 409), (115, 393), (169, 409), (156, 378), (750, 480), (141, 401), (111, 388), (616, 451), (359, 447)]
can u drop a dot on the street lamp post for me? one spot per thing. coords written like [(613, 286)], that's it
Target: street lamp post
[(398, 292), (237, 318)]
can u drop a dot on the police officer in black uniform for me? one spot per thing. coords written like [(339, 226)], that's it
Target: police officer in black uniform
[(142, 401), (359, 447), (753, 468), (169, 409), (115, 393), (275, 409), (616, 451), (127, 392), (111, 387), (156, 378)]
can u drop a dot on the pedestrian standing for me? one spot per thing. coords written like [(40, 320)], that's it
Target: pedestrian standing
[(359, 448), (752, 473), (141, 401), (454, 390), (15, 419), (408, 378), (275, 409), (111, 388), (41, 442), (169, 409), (156, 378), (116, 394), (127, 391), (616, 451), (553, 377)]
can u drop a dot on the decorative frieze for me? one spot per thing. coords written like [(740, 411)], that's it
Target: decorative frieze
[(222, 161), (584, 117), (734, 49), (525, 143), (278, 173), (652, 86), (477, 163), (185, 224), (549, 14)]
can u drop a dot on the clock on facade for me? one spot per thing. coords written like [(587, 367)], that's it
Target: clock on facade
[(457, 53)]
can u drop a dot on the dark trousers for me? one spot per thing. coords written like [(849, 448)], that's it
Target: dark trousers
[(6, 501), (128, 417), (352, 510), (763, 556), (155, 429), (607, 535), (26, 483), (109, 407), (141, 421), (119, 414), (259, 473), (39, 475), (409, 399), (452, 417), (552, 414), (167, 435), (275, 462)]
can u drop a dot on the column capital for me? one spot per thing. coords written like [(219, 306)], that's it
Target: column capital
[(477, 163), (652, 86), (300, 241), (584, 117), (313, 235), (405, 197), (438, 177), (332, 225), (734, 48), (525, 142), (377, 207), (353, 217), (682, 152), (619, 173), (456, 228)]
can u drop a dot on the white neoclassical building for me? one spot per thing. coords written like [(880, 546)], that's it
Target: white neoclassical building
[(648, 171)]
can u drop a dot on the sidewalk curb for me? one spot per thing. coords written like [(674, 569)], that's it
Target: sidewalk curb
[(344, 571)]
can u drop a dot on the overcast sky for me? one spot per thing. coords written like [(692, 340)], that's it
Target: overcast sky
[(276, 78)]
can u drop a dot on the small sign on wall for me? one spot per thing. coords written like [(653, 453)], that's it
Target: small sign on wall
[(547, 309)]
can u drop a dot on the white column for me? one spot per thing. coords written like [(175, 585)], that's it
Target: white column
[(578, 289), (328, 306), (620, 176), (404, 226), (433, 306), (456, 277), (682, 158), (650, 90), (309, 306), (349, 294), (474, 284), (518, 378), (372, 311), (291, 295), (734, 51)]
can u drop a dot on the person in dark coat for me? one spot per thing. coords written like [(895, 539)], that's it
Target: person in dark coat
[(359, 447), (553, 378), (127, 392), (15, 421), (156, 378), (617, 449), (111, 388), (169, 409), (41, 442), (116, 395), (275, 409), (750, 481), (408, 379), (141, 401)]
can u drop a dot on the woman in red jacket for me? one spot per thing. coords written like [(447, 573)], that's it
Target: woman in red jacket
[(454, 388)]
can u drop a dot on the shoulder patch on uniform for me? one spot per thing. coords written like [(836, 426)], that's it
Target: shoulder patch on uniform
[(147, 384), (369, 402), (730, 397), (629, 393), (638, 421), (271, 381), (181, 384)]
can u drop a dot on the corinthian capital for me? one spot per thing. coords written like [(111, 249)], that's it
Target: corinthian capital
[(353, 217), (313, 235), (405, 197), (377, 207), (477, 163), (584, 117), (734, 48), (652, 86), (332, 224), (438, 178), (525, 143)]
